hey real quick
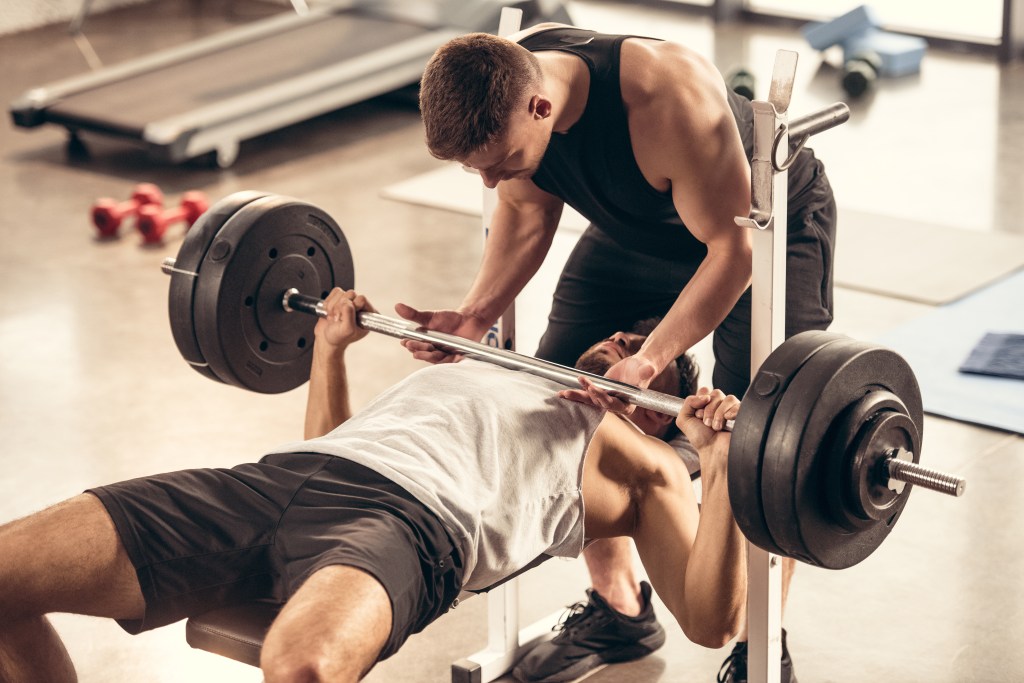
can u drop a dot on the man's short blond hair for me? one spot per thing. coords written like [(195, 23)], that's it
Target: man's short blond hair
[(469, 90)]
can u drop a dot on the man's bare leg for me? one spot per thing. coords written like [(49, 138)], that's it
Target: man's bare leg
[(612, 574), (788, 566), (67, 558), (332, 629)]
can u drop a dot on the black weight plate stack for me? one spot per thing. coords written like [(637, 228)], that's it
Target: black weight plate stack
[(857, 490), (750, 431), (798, 498), (270, 245), (182, 288)]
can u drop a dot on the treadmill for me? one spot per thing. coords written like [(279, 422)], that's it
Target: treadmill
[(207, 96)]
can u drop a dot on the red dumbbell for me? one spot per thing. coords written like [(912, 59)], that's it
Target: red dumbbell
[(153, 221), (107, 214)]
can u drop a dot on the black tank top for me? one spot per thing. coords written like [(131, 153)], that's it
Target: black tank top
[(592, 167)]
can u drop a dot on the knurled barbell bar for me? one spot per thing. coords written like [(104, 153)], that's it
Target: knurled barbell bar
[(824, 444)]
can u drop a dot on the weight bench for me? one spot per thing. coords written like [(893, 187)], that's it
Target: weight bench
[(237, 632)]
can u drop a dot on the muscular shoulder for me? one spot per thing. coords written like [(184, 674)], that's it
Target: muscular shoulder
[(659, 77), (678, 110)]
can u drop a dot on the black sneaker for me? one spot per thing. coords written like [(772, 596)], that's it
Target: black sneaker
[(592, 633), (734, 668)]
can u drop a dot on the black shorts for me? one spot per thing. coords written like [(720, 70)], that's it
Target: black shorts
[(202, 539), (605, 287)]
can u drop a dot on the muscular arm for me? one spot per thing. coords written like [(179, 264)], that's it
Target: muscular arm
[(328, 403), (697, 154), (715, 582), (635, 485), (519, 237), (716, 578)]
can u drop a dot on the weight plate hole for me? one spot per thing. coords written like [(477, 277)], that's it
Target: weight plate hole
[(311, 251), (302, 342), (264, 346), (248, 301), (273, 253)]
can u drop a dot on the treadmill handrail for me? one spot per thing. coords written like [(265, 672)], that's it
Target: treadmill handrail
[(165, 131), (49, 94), (224, 134)]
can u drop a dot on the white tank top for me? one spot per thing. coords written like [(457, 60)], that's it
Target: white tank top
[(494, 453)]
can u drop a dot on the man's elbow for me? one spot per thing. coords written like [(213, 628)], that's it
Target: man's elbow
[(712, 636), (736, 250), (742, 253), (714, 630)]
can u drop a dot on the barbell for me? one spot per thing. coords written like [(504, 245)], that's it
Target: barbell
[(826, 440)]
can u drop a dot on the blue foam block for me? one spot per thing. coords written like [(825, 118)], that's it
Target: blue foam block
[(823, 35), (900, 54), (936, 344)]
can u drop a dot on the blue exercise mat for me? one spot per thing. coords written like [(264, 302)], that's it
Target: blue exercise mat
[(938, 343)]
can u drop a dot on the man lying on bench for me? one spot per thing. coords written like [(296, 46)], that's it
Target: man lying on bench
[(455, 478)]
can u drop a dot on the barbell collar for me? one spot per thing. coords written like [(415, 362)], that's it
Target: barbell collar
[(294, 301), (908, 471)]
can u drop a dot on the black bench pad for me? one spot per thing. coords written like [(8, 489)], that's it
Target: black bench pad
[(235, 632)]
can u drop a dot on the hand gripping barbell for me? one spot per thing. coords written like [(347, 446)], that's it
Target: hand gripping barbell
[(826, 439)]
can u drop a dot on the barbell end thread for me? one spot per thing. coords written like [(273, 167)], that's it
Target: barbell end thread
[(170, 267), (925, 477)]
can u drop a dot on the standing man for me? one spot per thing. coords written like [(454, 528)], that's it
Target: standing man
[(643, 138)]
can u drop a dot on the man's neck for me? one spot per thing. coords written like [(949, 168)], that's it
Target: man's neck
[(567, 85)]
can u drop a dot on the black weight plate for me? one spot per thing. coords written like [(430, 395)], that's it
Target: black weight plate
[(182, 287), (794, 488), (864, 487), (855, 490), (750, 430), (783, 441), (267, 247)]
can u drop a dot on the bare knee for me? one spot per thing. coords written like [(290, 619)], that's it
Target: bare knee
[(291, 658), (332, 629), (300, 667)]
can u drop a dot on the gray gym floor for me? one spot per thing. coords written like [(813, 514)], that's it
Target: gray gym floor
[(92, 388)]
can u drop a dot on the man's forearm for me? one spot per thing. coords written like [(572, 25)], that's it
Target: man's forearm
[(516, 247), (327, 404), (716, 577), (701, 306)]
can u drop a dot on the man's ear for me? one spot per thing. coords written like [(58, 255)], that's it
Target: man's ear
[(540, 107)]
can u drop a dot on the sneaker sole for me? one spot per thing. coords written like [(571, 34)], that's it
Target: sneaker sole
[(641, 648)]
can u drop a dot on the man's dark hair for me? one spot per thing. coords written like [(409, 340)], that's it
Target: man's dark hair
[(469, 90)]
